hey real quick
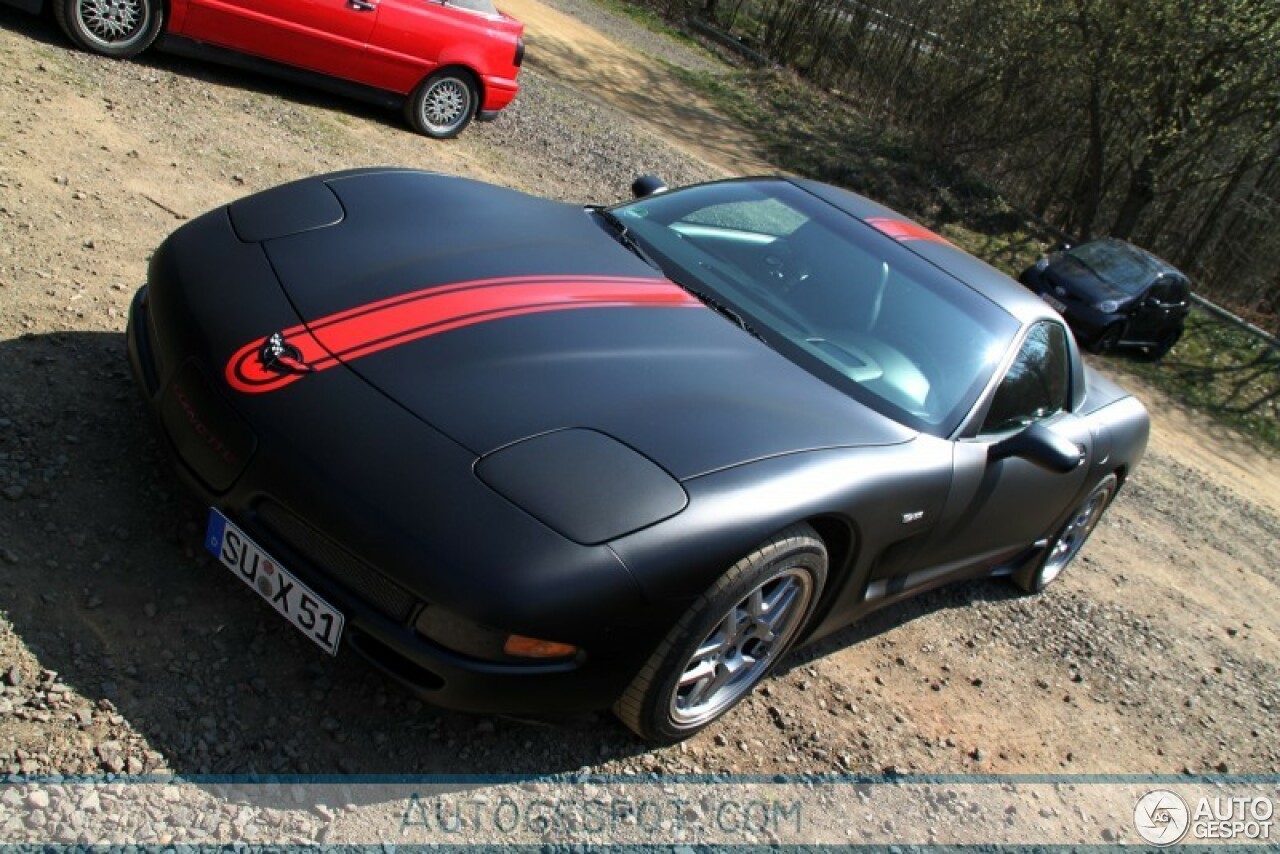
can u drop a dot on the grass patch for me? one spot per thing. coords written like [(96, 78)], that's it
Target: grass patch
[(1225, 371), (652, 21)]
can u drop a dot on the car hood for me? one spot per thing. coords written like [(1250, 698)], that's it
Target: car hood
[(496, 316), (1066, 272)]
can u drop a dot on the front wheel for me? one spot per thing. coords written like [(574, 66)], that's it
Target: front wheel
[(1161, 348), (728, 640), (1038, 575), (118, 28), (443, 104)]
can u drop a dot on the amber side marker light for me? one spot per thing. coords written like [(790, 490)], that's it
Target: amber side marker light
[(536, 648)]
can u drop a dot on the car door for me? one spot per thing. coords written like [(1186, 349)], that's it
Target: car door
[(326, 36), (413, 35), (1160, 309), (1000, 505)]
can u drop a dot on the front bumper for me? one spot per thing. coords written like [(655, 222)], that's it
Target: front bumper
[(388, 530)]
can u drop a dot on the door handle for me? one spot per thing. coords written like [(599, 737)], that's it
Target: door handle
[(362, 5)]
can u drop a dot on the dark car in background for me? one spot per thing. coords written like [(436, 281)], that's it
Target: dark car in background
[(445, 61), (1114, 294)]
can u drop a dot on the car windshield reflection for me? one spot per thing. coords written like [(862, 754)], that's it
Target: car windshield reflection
[(1116, 263), (835, 295)]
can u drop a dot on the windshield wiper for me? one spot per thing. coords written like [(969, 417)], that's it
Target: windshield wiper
[(625, 238), (624, 235), (724, 311)]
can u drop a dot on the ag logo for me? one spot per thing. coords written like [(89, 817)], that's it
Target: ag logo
[(1161, 817)]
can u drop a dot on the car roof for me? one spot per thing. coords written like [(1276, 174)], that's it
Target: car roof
[(1025, 306)]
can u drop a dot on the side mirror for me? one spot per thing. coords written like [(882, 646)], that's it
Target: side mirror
[(647, 185), (1040, 445)]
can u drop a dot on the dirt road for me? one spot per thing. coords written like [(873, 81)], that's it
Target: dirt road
[(123, 648)]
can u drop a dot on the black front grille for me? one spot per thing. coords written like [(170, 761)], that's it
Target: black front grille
[(337, 563)]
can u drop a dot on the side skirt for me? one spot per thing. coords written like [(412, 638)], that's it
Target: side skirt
[(182, 46), (900, 587)]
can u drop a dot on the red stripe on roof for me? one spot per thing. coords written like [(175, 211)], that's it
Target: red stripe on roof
[(903, 230)]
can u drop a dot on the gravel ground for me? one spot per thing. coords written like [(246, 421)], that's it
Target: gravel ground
[(574, 149), (123, 649)]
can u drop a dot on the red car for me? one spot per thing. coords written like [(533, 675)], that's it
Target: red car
[(447, 61)]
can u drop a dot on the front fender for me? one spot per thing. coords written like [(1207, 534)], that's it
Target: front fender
[(885, 496)]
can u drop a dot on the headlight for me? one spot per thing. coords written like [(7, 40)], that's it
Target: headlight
[(1042, 264), (584, 485), (1108, 306)]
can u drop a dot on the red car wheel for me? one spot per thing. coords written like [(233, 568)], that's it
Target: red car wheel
[(443, 104), (119, 28)]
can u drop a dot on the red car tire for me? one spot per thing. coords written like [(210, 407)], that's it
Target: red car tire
[(117, 28), (443, 104)]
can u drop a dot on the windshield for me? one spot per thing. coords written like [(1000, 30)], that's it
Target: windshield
[(831, 293), (1116, 263)]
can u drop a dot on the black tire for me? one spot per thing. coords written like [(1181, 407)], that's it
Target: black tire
[(1159, 350), (1039, 574), (1107, 340), (117, 28), (443, 104), (786, 573)]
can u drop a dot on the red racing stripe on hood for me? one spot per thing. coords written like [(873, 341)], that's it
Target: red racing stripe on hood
[(356, 332)]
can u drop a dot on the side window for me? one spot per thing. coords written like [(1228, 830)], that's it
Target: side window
[(1037, 383)]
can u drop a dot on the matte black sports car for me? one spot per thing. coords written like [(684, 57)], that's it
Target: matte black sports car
[(1114, 294), (529, 456)]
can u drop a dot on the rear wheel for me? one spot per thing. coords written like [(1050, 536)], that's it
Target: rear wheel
[(1107, 340), (443, 104), (728, 640), (1066, 545), (118, 28)]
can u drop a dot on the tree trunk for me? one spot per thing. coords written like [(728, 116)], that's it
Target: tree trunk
[(1141, 193), (1088, 195), (1190, 253)]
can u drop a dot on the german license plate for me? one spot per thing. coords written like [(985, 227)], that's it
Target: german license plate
[(1056, 304), (297, 603)]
